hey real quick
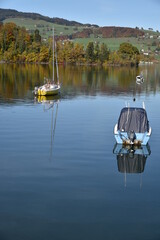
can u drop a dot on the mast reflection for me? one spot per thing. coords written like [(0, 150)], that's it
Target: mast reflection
[(50, 102)]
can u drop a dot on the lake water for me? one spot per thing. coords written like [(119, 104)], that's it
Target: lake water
[(59, 176)]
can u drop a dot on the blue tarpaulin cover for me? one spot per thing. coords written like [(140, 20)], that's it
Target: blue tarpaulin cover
[(133, 119)]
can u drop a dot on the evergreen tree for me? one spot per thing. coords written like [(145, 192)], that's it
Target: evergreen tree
[(90, 52), (37, 36), (104, 53), (97, 51)]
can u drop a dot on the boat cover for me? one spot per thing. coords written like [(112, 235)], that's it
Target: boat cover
[(131, 163), (133, 119)]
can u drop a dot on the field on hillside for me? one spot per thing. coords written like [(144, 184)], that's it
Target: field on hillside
[(114, 43), (44, 27)]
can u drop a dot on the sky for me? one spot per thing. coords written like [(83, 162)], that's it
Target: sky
[(123, 13)]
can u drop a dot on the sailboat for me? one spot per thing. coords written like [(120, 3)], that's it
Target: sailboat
[(50, 87)]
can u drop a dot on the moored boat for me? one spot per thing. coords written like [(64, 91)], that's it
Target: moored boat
[(132, 127), (50, 87), (47, 89)]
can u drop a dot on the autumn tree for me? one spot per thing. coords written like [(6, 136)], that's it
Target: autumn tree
[(127, 50), (129, 53), (44, 54)]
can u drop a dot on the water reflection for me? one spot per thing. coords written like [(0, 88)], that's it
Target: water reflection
[(50, 103), (131, 159), (47, 101), (18, 81)]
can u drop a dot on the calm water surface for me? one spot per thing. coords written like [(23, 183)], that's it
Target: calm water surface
[(59, 177)]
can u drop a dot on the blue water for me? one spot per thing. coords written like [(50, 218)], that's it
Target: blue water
[(59, 177)]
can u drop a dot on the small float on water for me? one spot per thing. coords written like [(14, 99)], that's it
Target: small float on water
[(139, 79), (50, 87), (132, 127)]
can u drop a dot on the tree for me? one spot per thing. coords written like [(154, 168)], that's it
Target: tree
[(37, 36), (127, 50), (129, 53), (78, 53), (90, 52), (44, 54), (97, 51), (104, 53)]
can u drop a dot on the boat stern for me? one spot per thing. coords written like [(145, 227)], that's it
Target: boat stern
[(140, 138)]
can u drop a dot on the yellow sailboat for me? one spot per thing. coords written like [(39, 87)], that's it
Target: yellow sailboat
[(50, 88)]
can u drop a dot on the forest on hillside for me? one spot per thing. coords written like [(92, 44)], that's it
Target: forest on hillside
[(17, 45), (10, 13)]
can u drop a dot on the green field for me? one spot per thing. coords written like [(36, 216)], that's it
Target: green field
[(114, 43), (44, 27)]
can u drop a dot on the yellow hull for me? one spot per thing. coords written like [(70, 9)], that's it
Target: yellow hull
[(43, 92)]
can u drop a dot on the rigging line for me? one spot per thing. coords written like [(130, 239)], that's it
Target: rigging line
[(52, 132), (127, 114), (56, 64), (54, 128), (53, 54)]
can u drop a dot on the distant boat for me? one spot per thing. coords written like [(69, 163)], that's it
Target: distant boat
[(139, 79), (132, 127), (50, 87)]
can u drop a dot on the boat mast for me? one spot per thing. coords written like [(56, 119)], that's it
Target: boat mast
[(56, 64), (53, 54)]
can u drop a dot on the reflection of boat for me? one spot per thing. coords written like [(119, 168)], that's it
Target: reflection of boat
[(139, 79), (133, 127), (131, 159), (50, 87), (47, 99), (49, 102)]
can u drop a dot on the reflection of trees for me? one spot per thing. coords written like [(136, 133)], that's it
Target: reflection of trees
[(17, 80)]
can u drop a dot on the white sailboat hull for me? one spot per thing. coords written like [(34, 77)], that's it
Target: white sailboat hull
[(48, 90)]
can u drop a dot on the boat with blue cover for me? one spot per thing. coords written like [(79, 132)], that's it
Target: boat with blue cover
[(132, 127)]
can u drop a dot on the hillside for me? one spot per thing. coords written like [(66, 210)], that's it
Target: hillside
[(109, 32), (113, 36), (72, 28), (10, 13)]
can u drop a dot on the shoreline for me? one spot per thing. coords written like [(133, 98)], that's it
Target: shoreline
[(141, 63)]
